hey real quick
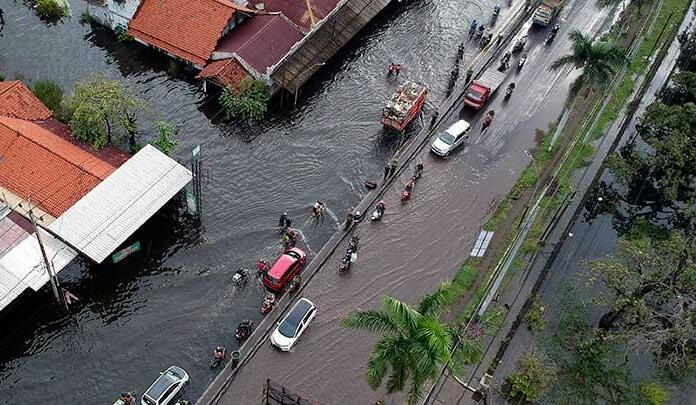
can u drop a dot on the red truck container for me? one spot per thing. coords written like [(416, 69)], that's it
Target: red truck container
[(404, 105), (481, 89)]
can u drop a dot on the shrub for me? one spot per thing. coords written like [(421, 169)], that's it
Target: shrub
[(50, 93), (653, 393), (249, 101), (531, 378), (534, 318), (166, 137), (85, 18), (50, 10)]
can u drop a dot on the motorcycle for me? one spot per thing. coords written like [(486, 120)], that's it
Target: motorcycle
[(353, 243), (268, 304), (509, 90), (504, 62), (418, 171), (519, 45), (243, 329), (295, 284), (218, 356), (394, 69), (345, 263), (488, 119), (521, 61), (405, 196), (496, 12), (127, 398), (240, 276), (377, 213), (552, 34)]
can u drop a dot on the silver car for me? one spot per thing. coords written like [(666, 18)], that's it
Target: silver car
[(450, 139), (295, 322), (166, 387)]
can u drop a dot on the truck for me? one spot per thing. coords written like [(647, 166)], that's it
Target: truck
[(404, 105), (546, 11), (481, 89)]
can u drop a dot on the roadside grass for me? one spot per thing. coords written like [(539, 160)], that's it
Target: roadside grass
[(463, 280), (636, 66)]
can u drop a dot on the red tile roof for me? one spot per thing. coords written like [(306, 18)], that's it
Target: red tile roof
[(224, 72), (36, 164), (17, 101), (189, 29), (261, 41)]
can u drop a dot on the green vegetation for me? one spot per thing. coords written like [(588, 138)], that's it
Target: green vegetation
[(166, 137), (51, 95), (414, 343), (597, 59), (85, 18), (531, 377), (249, 101), (51, 10), (653, 393), (534, 318), (103, 111)]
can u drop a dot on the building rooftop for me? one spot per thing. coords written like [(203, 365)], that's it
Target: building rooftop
[(188, 29), (224, 72), (297, 11), (17, 101), (261, 41), (38, 165)]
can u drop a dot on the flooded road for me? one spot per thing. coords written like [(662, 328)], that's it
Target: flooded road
[(423, 242), (174, 302)]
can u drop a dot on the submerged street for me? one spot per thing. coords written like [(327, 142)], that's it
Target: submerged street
[(423, 242), (173, 302)]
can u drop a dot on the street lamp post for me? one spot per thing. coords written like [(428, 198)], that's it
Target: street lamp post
[(297, 88)]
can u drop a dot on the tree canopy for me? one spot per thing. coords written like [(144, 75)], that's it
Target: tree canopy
[(414, 344), (248, 101), (651, 296), (596, 58), (102, 111)]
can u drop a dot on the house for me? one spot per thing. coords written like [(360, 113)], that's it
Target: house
[(115, 14), (84, 202)]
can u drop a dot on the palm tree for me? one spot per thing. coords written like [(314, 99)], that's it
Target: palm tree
[(413, 345), (597, 59)]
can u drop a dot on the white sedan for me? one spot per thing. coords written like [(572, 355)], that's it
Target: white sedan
[(295, 322), (166, 387)]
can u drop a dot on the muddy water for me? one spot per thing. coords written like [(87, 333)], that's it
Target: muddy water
[(174, 302), (423, 242)]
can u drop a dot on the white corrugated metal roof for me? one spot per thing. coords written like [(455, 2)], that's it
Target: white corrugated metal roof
[(104, 218), (23, 266)]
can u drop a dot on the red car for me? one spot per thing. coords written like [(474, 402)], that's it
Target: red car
[(284, 269)]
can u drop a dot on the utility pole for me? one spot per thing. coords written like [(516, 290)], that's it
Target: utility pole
[(47, 263)]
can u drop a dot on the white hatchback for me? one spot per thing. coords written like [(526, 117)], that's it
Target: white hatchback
[(295, 322), (450, 139), (166, 387)]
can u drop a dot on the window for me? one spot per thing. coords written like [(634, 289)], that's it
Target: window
[(168, 393)]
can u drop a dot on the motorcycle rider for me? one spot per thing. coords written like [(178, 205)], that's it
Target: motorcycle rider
[(496, 10), (219, 353), (511, 87), (381, 206)]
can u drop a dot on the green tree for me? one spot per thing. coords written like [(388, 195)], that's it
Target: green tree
[(51, 95), (531, 377), (166, 137), (248, 101), (51, 10), (597, 59), (102, 111), (413, 344), (652, 297)]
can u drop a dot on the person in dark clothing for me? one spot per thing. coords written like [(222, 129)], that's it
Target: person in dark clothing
[(349, 219), (387, 169), (288, 222), (2, 20), (394, 164), (281, 221), (469, 73), (460, 52)]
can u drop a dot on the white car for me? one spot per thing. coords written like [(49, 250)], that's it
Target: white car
[(166, 387), (295, 322), (453, 137)]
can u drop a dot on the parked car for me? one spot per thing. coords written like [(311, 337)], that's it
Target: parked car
[(166, 387), (450, 139), (295, 322), (285, 269)]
